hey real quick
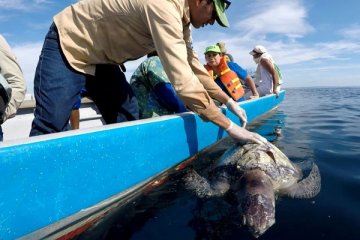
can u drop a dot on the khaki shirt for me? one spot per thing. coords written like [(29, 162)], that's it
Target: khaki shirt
[(115, 31), (11, 71)]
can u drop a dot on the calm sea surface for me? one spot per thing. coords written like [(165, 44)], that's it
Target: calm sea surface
[(318, 124)]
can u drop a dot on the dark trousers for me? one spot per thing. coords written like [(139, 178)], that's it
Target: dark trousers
[(112, 94), (57, 86)]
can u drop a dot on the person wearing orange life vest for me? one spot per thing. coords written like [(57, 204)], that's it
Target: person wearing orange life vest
[(228, 75)]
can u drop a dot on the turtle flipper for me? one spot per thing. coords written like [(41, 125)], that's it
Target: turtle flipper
[(202, 187), (308, 187)]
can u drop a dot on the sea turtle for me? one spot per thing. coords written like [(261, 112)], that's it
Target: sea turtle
[(257, 174)]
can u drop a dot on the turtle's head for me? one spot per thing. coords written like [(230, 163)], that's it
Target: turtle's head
[(257, 202)]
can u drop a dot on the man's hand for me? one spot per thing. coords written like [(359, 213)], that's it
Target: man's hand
[(276, 92), (242, 135), (237, 110), (255, 96)]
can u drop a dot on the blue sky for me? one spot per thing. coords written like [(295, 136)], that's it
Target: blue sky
[(315, 43)]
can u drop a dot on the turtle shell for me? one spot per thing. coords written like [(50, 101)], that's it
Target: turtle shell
[(267, 158)]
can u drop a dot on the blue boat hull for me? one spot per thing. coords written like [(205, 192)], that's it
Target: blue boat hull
[(51, 183)]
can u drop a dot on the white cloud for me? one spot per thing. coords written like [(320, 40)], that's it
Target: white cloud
[(340, 47), (14, 4), (279, 17), (352, 32), (22, 4)]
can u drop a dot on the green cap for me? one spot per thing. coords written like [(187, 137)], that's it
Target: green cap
[(220, 7), (212, 48)]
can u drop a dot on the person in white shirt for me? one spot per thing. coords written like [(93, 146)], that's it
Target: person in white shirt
[(267, 75)]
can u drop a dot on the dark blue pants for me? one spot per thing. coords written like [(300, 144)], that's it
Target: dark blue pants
[(57, 86)]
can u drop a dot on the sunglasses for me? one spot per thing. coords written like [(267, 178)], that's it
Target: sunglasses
[(211, 54)]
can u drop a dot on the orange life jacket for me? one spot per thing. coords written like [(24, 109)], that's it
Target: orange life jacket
[(229, 78)]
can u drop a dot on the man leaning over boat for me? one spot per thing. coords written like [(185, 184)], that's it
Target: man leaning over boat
[(12, 84), (93, 32)]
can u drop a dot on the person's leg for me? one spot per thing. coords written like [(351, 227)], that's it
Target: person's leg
[(75, 113), (75, 119), (112, 94), (56, 87)]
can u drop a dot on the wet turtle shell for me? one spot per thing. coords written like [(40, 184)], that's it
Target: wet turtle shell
[(267, 158)]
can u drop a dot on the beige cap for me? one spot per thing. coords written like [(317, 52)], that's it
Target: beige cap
[(258, 49)]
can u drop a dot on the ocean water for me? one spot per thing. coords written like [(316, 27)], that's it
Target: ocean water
[(320, 125)]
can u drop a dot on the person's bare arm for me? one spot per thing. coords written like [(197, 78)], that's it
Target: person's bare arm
[(250, 82)]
